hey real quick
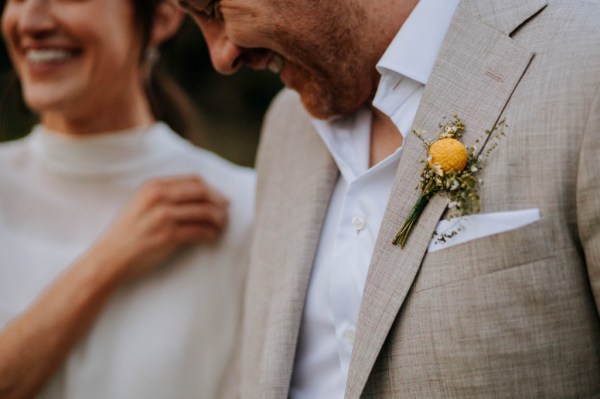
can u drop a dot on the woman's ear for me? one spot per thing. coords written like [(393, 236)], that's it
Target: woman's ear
[(167, 20)]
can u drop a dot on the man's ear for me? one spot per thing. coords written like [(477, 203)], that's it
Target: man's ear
[(167, 20)]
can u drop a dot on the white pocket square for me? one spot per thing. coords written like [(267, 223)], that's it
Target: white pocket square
[(466, 228)]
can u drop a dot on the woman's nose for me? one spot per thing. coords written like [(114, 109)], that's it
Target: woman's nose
[(35, 17)]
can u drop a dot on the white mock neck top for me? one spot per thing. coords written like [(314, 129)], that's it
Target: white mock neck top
[(169, 335), (106, 153)]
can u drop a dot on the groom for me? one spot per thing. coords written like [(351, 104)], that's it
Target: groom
[(508, 306)]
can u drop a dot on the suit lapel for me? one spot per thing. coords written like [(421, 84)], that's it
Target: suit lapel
[(475, 74), (307, 189)]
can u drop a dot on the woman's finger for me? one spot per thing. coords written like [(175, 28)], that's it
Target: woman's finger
[(190, 188), (200, 213), (192, 233)]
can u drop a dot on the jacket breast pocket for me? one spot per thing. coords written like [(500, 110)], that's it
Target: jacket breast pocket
[(490, 254)]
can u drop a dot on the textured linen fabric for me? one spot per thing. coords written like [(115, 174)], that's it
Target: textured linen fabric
[(510, 315), (169, 335)]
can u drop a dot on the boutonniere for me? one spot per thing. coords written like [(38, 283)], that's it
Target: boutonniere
[(451, 169)]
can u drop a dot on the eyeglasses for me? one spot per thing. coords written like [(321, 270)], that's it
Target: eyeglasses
[(206, 8)]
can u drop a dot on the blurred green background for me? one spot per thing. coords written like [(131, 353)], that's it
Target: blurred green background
[(231, 108)]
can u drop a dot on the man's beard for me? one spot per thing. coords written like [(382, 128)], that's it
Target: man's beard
[(334, 79), (324, 98)]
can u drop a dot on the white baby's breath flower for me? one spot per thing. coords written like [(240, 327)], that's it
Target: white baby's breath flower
[(438, 170)]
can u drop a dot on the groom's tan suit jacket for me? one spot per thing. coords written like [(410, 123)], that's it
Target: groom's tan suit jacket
[(515, 314)]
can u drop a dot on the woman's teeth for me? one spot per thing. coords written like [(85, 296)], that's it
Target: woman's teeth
[(39, 56)]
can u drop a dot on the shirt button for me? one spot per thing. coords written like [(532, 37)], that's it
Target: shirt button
[(358, 223), (349, 335)]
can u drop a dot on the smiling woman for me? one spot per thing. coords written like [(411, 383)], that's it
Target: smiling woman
[(122, 246), (225, 113), (36, 61), (79, 56)]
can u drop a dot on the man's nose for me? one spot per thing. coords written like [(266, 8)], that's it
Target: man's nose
[(225, 55)]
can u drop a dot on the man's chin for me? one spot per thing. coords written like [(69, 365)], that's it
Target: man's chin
[(324, 107), (316, 110), (316, 102), (320, 99)]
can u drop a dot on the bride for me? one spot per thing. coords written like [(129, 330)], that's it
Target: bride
[(122, 246)]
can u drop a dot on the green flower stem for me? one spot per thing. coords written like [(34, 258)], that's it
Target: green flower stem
[(412, 218)]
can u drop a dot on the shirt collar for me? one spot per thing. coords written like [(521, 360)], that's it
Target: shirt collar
[(411, 54), (414, 50)]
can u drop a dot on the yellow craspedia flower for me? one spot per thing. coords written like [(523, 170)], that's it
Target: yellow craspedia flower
[(448, 154)]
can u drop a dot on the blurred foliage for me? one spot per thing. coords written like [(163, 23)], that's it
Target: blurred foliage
[(231, 108)]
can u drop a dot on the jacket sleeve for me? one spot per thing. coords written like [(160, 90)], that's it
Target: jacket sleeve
[(588, 197)]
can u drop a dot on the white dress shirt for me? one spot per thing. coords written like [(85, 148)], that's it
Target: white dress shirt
[(358, 204), (168, 335)]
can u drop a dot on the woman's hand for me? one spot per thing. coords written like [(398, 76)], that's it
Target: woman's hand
[(164, 215)]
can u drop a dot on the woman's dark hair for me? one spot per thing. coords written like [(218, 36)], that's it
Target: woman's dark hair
[(144, 11), (168, 101)]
